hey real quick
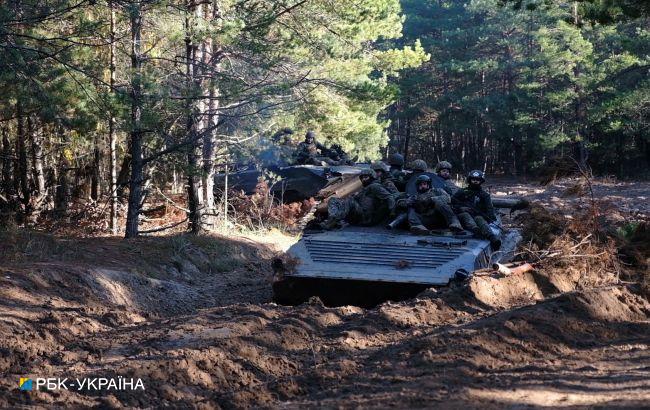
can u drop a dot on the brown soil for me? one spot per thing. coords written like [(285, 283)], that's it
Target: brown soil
[(191, 318)]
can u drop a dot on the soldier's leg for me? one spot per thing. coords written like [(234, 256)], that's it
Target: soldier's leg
[(355, 214), (467, 222), (337, 211), (414, 217), (451, 220), (483, 227), (486, 232), (415, 222)]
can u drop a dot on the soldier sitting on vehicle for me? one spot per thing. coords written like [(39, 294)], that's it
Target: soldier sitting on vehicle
[(419, 167), (399, 177), (427, 209), (369, 206), (337, 156), (383, 175), (475, 210), (308, 151), (443, 169)]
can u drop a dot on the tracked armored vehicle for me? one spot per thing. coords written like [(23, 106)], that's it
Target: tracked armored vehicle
[(295, 182), (365, 266)]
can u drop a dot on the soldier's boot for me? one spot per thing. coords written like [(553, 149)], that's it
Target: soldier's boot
[(451, 219), (330, 223), (455, 225), (486, 232), (419, 230), (495, 243)]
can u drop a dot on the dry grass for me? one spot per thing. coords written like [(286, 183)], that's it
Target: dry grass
[(261, 211), (586, 246)]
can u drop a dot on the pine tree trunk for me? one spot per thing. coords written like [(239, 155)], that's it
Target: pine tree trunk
[(137, 165), (7, 186), (95, 178), (62, 192), (407, 139), (22, 167), (37, 161), (112, 147), (209, 139)]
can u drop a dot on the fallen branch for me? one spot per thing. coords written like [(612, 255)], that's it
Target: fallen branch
[(171, 202), (162, 228), (506, 270)]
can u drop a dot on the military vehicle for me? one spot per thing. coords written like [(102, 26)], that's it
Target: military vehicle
[(295, 182), (365, 266)]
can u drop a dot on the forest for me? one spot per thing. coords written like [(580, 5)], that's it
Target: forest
[(113, 101), (512, 90)]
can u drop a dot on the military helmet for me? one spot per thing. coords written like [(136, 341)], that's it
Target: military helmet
[(443, 165), (396, 160), (368, 172), (476, 174), (419, 165), (379, 166), (422, 178)]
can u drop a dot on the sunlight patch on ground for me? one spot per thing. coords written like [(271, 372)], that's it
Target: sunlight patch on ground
[(547, 397)]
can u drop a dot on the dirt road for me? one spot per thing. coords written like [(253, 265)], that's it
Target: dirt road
[(191, 318)]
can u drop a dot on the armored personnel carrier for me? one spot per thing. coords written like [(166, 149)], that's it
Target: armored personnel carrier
[(365, 266), (295, 182)]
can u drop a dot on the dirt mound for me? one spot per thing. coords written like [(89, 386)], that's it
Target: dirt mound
[(559, 335), (490, 361)]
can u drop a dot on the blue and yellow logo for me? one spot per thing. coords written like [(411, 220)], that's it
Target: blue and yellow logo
[(25, 383)]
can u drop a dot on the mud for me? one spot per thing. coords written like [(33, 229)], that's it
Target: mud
[(194, 322)]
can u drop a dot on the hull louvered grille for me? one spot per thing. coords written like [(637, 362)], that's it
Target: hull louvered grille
[(379, 254)]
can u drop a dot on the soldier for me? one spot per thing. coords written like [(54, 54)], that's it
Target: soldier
[(368, 207), (383, 175), (419, 167), (309, 149), (429, 207), (396, 162), (474, 208), (443, 169)]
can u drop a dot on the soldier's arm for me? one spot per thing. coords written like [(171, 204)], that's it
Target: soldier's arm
[(442, 195), (382, 194), (458, 199), (489, 207)]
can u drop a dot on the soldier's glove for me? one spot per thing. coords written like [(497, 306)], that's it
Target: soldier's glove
[(465, 209), (402, 203)]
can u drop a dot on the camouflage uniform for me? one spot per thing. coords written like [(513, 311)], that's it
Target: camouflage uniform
[(475, 210), (398, 177), (449, 186), (369, 206), (306, 153), (432, 208), (397, 174), (386, 180)]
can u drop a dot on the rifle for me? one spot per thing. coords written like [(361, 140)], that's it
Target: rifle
[(398, 221), (403, 216)]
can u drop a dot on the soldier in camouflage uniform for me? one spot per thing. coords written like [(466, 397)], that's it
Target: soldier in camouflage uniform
[(308, 150), (429, 207), (399, 177), (369, 206), (419, 167), (474, 208), (383, 175), (443, 169)]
